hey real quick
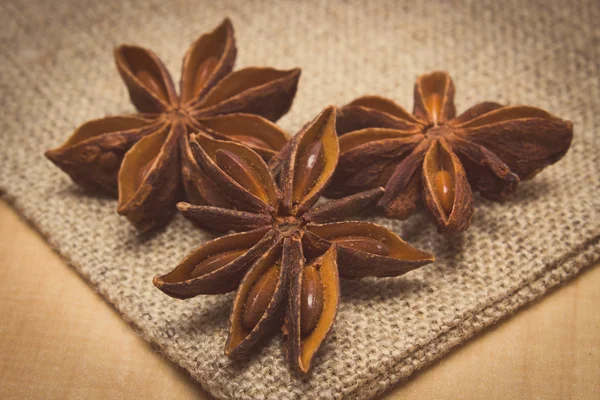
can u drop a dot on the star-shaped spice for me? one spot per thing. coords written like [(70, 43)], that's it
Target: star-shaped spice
[(147, 156), (434, 155), (287, 261)]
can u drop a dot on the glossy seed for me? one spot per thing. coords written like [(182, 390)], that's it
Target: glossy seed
[(311, 300), (215, 262), (310, 166), (363, 243), (238, 169), (150, 82), (259, 297), (203, 72), (444, 189), (252, 141), (434, 105)]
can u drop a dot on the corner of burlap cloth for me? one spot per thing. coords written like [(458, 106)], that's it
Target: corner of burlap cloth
[(58, 73)]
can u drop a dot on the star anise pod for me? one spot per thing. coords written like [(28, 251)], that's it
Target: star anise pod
[(442, 158), (147, 156), (287, 260)]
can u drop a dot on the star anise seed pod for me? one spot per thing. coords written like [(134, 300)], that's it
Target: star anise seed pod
[(434, 155), (287, 260), (147, 156)]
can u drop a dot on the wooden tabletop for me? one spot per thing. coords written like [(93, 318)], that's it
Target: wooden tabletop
[(60, 340)]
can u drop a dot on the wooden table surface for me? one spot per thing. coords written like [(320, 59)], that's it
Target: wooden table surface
[(60, 340)]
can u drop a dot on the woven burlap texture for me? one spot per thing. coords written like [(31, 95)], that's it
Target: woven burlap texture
[(58, 72)]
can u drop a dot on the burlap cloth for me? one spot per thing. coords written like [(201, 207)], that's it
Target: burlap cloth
[(58, 72)]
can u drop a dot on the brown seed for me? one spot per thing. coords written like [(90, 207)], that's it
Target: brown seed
[(363, 243), (434, 105), (311, 300), (203, 72), (252, 141), (259, 297), (150, 82), (238, 169), (444, 188), (310, 166), (215, 262)]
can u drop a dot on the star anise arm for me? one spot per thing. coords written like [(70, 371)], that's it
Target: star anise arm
[(356, 117), (310, 163), (370, 164), (373, 136), (94, 152), (148, 81), (314, 293), (239, 172), (208, 60), (434, 98), (254, 131), (267, 92), (387, 106), (486, 172), (336, 210), (527, 139), (446, 190), (365, 249), (216, 219), (259, 303), (199, 187), (405, 202), (475, 111), (149, 179), (402, 192), (217, 266)]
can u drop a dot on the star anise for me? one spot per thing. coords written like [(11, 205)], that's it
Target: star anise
[(435, 155), (287, 260), (147, 156)]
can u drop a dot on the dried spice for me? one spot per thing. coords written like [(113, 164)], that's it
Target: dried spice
[(434, 155), (146, 157), (287, 258)]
